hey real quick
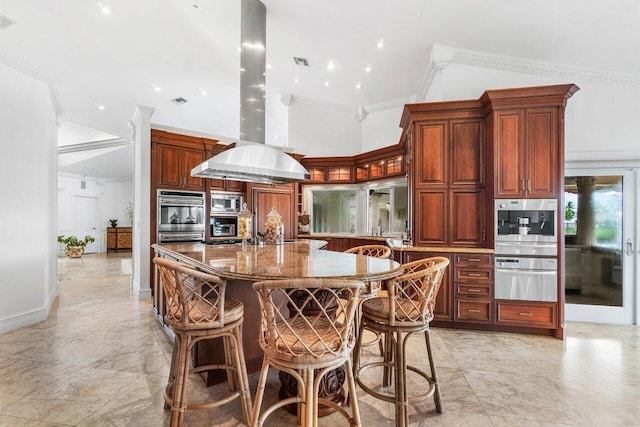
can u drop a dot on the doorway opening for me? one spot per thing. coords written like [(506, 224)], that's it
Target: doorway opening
[(599, 225)]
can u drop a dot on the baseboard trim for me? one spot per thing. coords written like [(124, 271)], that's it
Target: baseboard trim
[(142, 293), (29, 317)]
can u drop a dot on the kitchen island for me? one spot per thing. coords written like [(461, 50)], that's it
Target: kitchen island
[(241, 266)]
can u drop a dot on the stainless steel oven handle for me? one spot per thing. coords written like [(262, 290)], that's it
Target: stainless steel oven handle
[(525, 271)]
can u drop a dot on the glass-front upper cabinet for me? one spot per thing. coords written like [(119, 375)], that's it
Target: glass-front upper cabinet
[(357, 209)]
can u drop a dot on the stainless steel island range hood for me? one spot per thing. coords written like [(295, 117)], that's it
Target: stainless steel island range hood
[(251, 159)]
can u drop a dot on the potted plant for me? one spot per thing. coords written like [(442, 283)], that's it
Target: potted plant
[(114, 222), (74, 247)]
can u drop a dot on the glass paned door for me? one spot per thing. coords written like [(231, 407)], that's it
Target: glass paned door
[(599, 232)]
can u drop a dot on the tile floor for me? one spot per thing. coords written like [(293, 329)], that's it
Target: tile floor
[(100, 359)]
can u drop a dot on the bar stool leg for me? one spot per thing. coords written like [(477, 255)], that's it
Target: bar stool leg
[(243, 379), (437, 397), (171, 383), (179, 387), (228, 360), (241, 384), (255, 418), (402, 416), (358, 349), (353, 398), (311, 411), (388, 358)]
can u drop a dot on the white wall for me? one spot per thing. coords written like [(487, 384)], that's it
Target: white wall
[(318, 130), (599, 118), (28, 134), (113, 199), (381, 129)]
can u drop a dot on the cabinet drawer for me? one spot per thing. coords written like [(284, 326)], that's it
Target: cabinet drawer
[(473, 290), (530, 314), (480, 260), (473, 275), (473, 310)]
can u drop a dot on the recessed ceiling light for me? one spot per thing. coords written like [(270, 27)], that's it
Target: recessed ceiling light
[(367, 69), (331, 65), (203, 92), (380, 43), (296, 80), (100, 107), (156, 88), (106, 10), (326, 83), (269, 66), (239, 49), (358, 86), (301, 61)]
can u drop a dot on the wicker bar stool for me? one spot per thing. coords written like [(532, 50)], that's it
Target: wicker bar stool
[(371, 289), (307, 330), (407, 310), (196, 310)]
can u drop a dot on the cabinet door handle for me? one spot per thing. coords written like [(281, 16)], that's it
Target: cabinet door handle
[(522, 185), (474, 290), (474, 259), (473, 310), (529, 185), (526, 314), (475, 274)]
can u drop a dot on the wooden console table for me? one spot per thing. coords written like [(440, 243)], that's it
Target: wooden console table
[(119, 239)]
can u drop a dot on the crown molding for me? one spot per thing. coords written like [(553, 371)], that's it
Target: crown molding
[(544, 69), (94, 145), (389, 105), (53, 92), (224, 140), (427, 80)]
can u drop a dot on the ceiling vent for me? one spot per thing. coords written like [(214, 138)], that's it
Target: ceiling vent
[(301, 61), (5, 22), (179, 101)]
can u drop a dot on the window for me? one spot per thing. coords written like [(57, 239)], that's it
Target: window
[(355, 209), (388, 208), (334, 211)]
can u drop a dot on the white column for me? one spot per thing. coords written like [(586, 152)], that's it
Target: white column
[(141, 200)]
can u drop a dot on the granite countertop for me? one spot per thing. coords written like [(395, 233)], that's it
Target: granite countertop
[(395, 243), (445, 249), (299, 259)]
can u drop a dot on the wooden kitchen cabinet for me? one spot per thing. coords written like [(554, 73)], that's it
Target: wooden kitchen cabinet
[(226, 185), (174, 167), (119, 238), (282, 197), (444, 300), (447, 175), (527, 313), (525, 134), (527, 153), (473, 287)]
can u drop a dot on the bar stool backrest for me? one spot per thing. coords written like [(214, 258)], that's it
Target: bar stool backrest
[(378, 251), (413, 295), (307, 320), (193, 299)]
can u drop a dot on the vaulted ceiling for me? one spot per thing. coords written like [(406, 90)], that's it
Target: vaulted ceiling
[(149, 52)]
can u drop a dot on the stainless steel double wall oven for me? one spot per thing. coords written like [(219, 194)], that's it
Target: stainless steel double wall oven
[(181, 216), (526, 249)]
